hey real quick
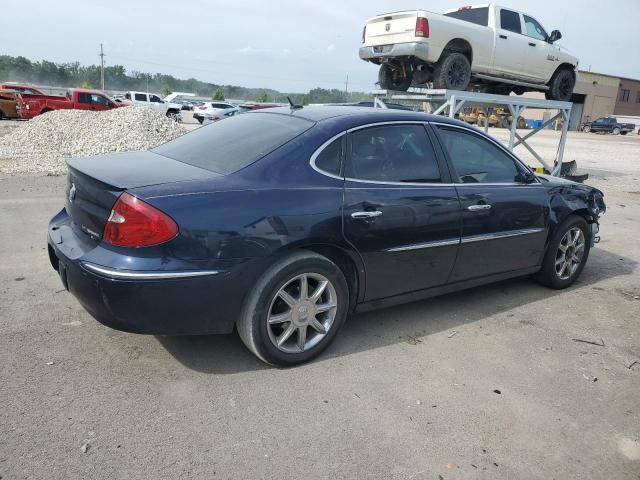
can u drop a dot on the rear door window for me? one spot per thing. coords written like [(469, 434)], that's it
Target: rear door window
[(510, 20), (393, 153), (84, 98), (140, 97), (228, 146)]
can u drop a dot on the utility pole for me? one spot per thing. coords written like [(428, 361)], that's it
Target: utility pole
[(102, 55), (346, 88)]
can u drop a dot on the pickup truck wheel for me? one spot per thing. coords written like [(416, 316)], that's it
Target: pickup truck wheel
[(452, 72), (586, 129), (392, 79), (561, 86), (616, 131)]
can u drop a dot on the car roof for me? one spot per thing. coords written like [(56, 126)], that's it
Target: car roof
[(362, 114)]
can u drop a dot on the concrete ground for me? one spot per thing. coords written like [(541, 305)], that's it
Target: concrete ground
[(487, 383)]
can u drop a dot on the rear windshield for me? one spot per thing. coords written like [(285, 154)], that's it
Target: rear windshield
[(229, 145), (479, 16)]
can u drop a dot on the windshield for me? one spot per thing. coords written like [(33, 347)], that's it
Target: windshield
[(228, 146)]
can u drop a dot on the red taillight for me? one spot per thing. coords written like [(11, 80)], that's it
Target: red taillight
[(214, 118), (134, 223), (364, 33), (422, 27)]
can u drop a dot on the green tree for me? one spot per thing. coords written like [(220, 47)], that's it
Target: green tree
[(217, 94), (86, 86), (263, 97), (166, 91)]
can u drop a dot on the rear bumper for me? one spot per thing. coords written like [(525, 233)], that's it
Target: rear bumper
[(381, 52), (186, 302)]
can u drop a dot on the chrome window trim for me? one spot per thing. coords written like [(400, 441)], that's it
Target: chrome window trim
[(319, 150), (132, 275), (421, 246), (500, 235), (496, 143)]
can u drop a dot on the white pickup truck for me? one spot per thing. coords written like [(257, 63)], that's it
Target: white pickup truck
[(154, 101), (487, 47)]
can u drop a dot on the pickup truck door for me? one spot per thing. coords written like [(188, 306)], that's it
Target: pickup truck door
[(600, 125), (100, 102), (510, 55), (141, 98), (157, 103), (541, 55)]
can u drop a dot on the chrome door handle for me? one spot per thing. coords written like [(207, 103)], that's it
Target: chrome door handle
[(365, 215), (478, 208)]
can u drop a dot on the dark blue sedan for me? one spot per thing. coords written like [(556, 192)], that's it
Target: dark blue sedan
[(282, 222)]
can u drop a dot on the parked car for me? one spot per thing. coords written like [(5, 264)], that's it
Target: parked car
[(8, 104), (154, 101), (17, 87), (249, 106), (282, 222), (220, 114), (394, 106), (495, 48), (211, 109), (608, 125), (30, 105)]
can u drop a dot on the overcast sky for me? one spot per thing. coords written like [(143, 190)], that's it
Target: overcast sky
[(288, 45)]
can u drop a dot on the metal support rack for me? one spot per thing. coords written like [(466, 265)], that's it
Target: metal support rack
[(451, 102)]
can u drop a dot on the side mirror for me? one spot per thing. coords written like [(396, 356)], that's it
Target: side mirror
[(555, 36), (526, 177)]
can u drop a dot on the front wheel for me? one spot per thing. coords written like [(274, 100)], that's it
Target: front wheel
[(295, 310), (452, 72), (566, 254), (398, 79), (561, 85)]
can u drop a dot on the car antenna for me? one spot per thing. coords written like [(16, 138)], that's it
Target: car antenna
[(293, 106)]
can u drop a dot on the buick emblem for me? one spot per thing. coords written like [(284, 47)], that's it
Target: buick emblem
[(72, 193), (387, 27)]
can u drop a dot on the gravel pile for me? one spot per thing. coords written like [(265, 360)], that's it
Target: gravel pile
[(42, 144)]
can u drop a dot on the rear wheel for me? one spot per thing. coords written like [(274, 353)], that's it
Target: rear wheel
[(452, 72), (295, 310), (395, 78), (561, 85), (521, 124), (616, 131), (566, 254)]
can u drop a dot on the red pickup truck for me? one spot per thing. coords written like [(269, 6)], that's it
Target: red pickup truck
[(31, 105)]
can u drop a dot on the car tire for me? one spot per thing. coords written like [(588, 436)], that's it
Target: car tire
[(586, 129), (276, 312), (567, 254), (521, 123), (561, 85), (452, 72), (389, 79), (616, 131)]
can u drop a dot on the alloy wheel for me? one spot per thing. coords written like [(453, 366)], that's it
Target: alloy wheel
[(302, 312), (570, 253), (456, 75)]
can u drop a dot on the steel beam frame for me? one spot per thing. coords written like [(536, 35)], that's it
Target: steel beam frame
[(450, 102)]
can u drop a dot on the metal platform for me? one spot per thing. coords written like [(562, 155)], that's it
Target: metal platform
[(450, 102)]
